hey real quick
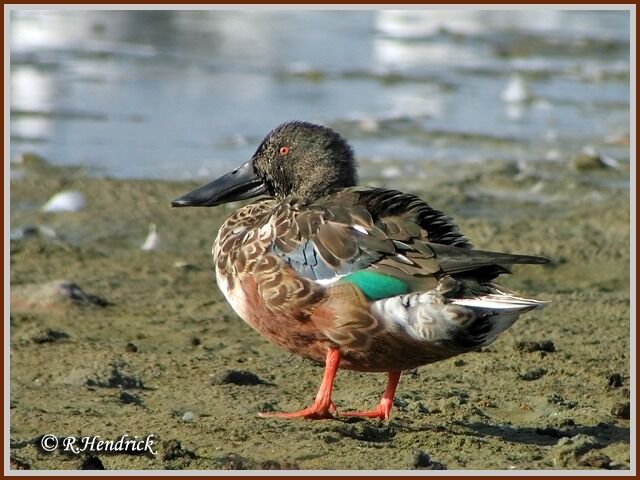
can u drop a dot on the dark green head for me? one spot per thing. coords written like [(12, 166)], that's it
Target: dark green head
[(296, 158)]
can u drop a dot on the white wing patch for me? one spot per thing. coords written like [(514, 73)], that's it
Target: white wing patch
[(499, 302), (328, 281), (429, 317)]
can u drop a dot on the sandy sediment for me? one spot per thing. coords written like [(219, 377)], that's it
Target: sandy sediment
[(108, 339)]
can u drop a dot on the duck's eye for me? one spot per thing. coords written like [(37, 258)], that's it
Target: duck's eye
[(284, 150)]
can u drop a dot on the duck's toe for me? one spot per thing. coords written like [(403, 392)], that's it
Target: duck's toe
[(314, 412)]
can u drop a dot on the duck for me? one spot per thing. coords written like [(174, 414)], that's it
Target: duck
[(368, 279)]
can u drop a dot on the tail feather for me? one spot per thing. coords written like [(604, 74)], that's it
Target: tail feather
[(500, 302), (455, 260)]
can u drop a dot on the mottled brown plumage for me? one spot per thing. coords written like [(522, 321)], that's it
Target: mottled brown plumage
[(370, 279)]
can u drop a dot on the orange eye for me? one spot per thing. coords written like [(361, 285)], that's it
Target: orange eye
[(284, 150)]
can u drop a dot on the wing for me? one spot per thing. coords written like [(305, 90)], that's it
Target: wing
[(384, 241)]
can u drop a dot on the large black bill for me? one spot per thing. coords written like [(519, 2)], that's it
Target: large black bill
[(239, 184)]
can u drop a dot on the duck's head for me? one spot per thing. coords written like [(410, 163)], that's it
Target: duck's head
[(295, 159)]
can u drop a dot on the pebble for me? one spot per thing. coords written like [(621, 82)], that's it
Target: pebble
[(367, 432), (590, 159), (559, 400), (265, 407), (57, 293), (32, 231), (130, 347), (233, 461), (569, 449), (110, 375), (236, 377), (418, 407), (128, 398), (91, 462), (184, 265), (615, 380), (67, 201), (189, 417), (18, 464), (49, 335), (596, 461), (535, 346), (275, 465), (621, 410), (400, 402), (173, 450), (328, 438), (533, 374), (422, 461)]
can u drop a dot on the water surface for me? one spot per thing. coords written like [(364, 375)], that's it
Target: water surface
[(184, 94)]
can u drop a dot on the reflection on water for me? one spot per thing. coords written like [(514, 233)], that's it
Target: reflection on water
[(177, 94)]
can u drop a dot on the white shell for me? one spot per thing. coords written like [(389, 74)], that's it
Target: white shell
[(67, 201), (153, 239), (516, 91)]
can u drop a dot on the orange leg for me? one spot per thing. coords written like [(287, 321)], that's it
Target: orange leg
[(322, 407), (386, 402)]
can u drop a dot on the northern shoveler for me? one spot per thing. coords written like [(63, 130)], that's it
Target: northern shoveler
[(368, 279)]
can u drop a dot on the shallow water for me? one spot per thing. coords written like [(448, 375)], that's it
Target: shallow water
[(184, 94)]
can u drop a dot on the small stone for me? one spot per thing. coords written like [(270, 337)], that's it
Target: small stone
[(130, 347), (590, 159), (57, 295), (400, 402), (173, 450), (596, 461), (32, 231), (236, 377), (115, 378), (422, 461), (456, 393), (275, 465), (621, 410), (194, 341), (533, 374), (184, 266), (535, 346), (559, 400), (418, 407), (615, 380), (91, 462), (234, 461), (189, 417), (265, 407), (366, 432), (128, 398), (459, 362), (49, 335), (270, 465), (328, 438), (18, 464), (569, 449)]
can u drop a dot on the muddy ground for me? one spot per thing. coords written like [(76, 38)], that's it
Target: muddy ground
[(139, 341)]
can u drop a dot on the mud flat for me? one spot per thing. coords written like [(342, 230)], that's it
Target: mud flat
[(108, 339)]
